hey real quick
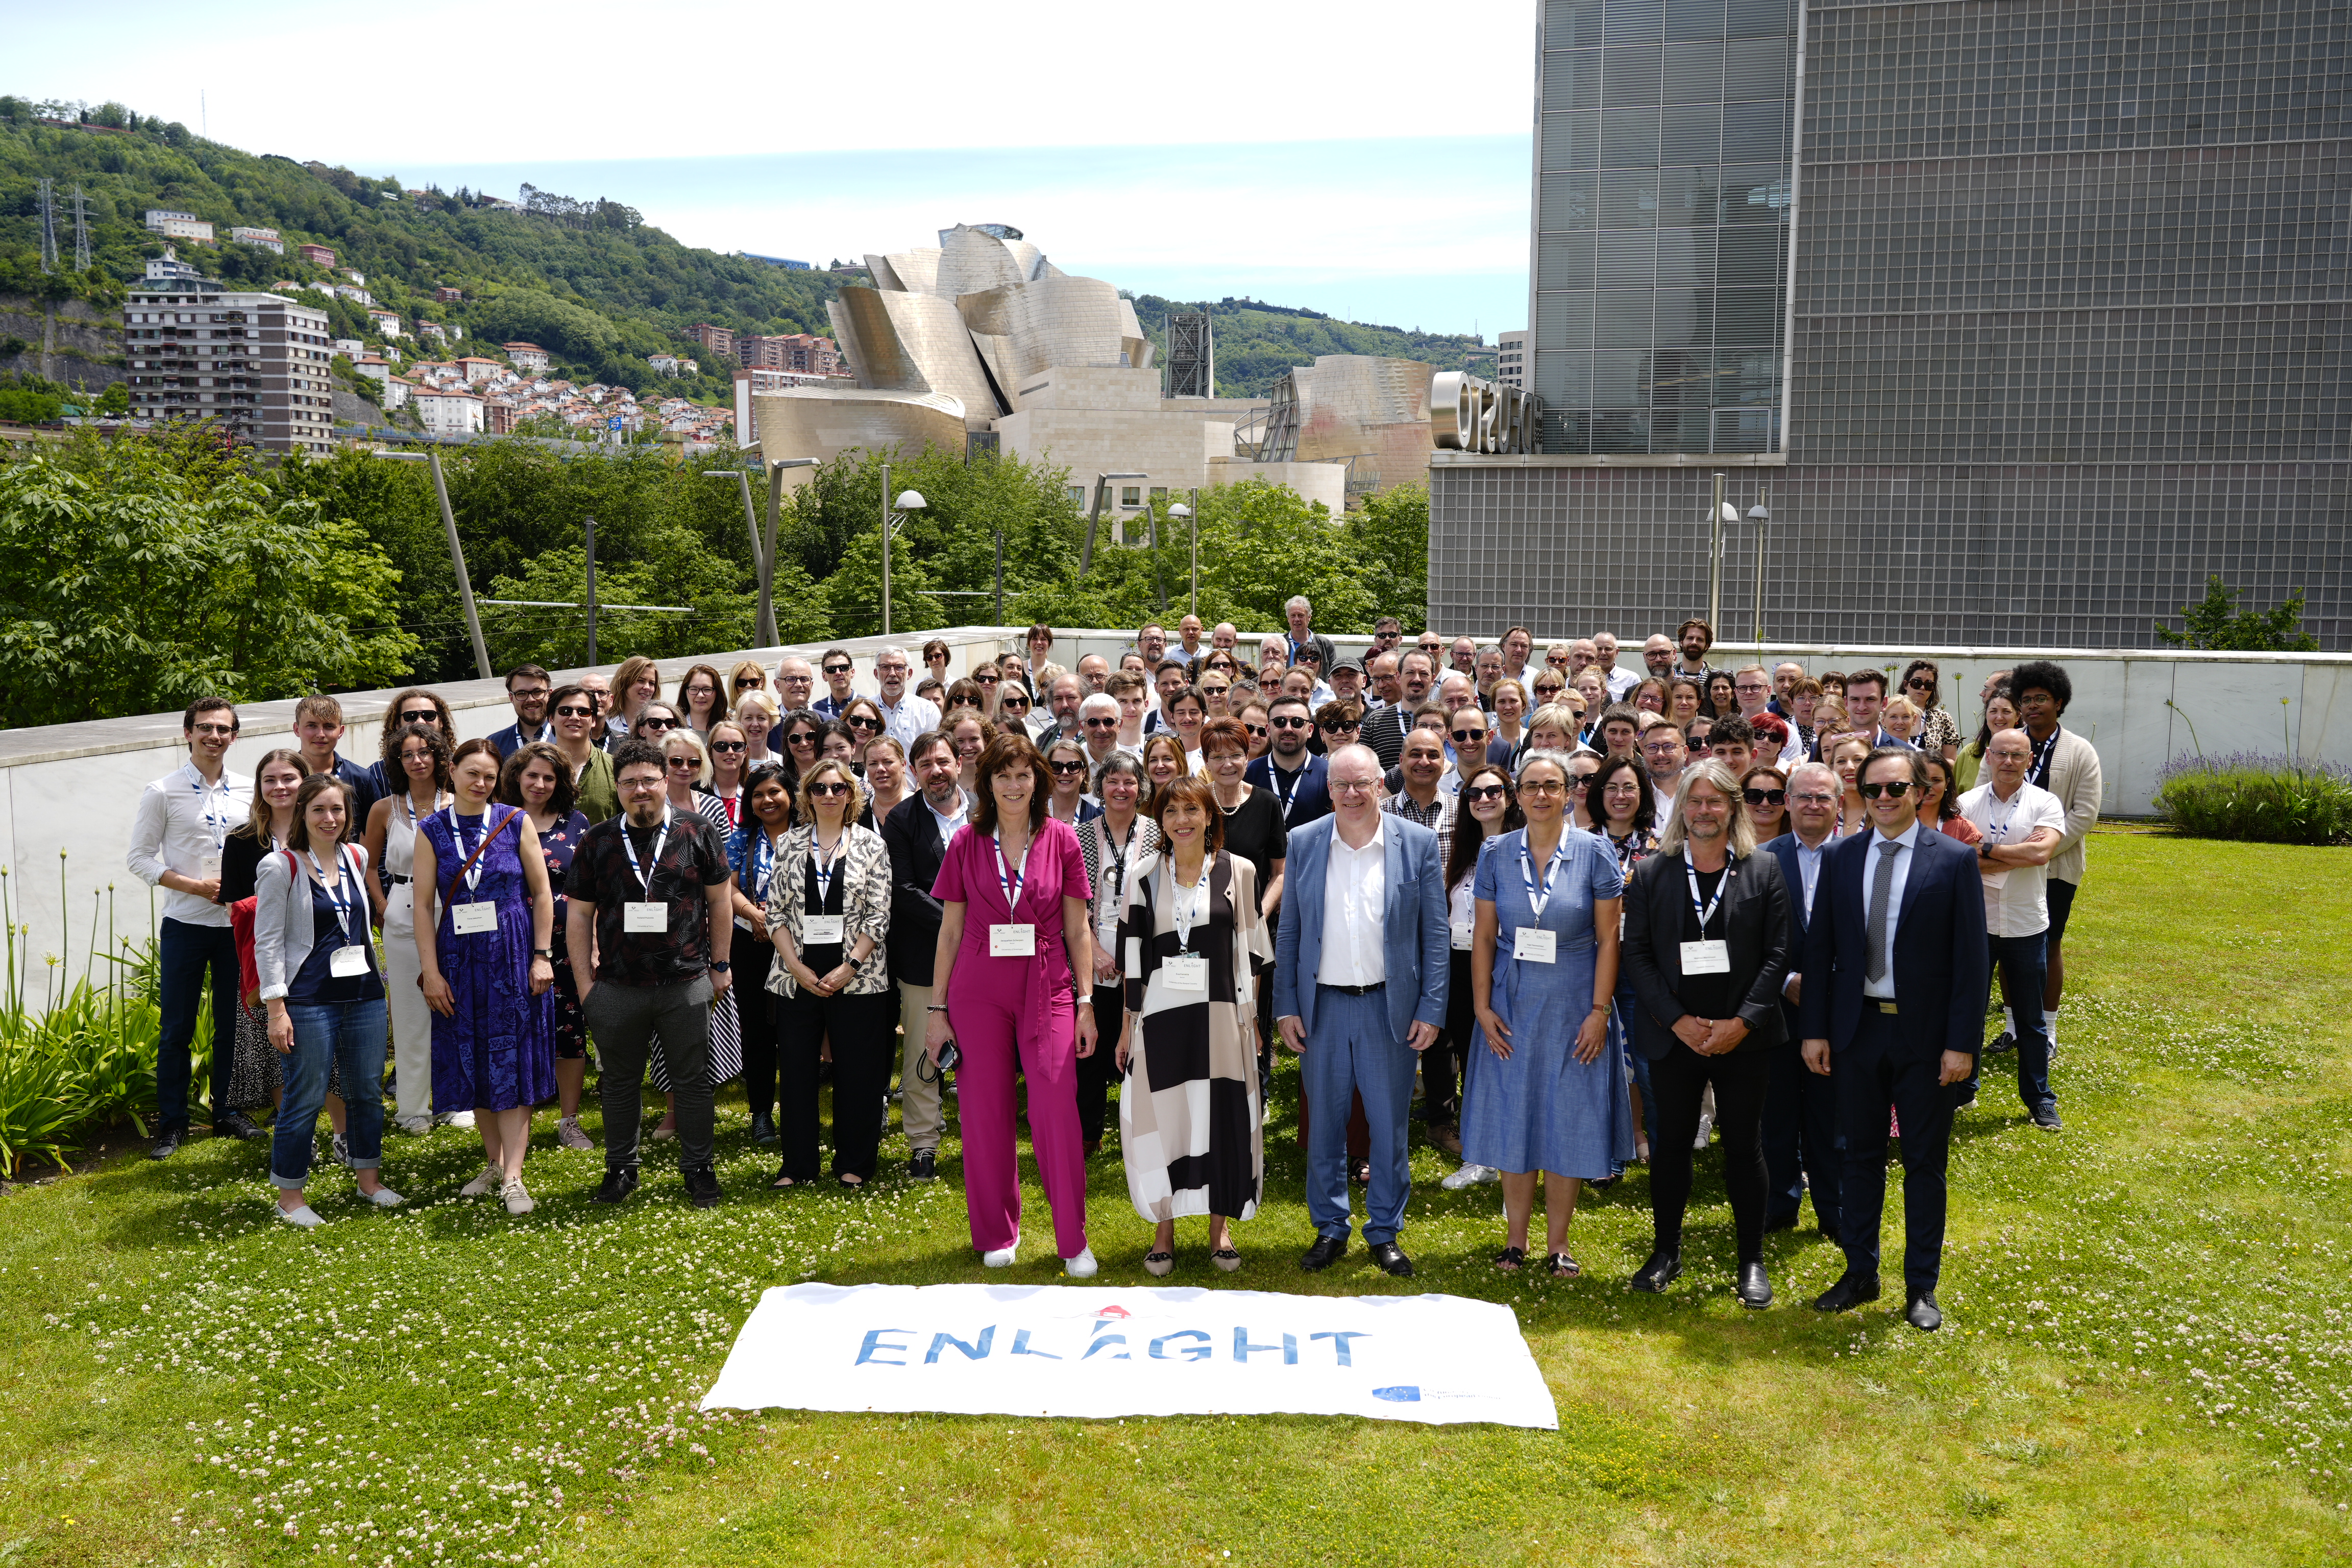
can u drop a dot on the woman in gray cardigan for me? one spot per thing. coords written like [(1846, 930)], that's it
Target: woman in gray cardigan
[(313, 951)]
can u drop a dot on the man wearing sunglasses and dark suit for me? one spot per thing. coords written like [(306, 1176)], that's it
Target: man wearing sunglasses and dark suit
[(1895, 968)]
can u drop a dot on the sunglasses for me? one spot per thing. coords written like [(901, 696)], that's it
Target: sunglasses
[(1484, 791), (987, 679), (1764, 796), (743, 680), (418, 716), (1343, 726), (836, 669), (1065, 769), (727, 748), (1101, 723), (568, 711), (804, 738), (1257, 730), (1896, 790), (657, 723), (1013, 704), (688, 763), (826, 789), (1466, 736), (864, 721), (1291, 725)]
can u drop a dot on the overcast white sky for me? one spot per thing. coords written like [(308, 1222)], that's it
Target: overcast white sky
[(1369, 159)]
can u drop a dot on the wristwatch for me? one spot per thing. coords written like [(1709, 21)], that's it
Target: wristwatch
[(546, 953), (856, 965), (722, 968)]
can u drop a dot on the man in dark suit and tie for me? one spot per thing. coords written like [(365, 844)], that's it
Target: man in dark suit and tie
[(916, 832), (1895, 969)]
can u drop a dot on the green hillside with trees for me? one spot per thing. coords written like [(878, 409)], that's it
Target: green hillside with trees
[(1255, 342)]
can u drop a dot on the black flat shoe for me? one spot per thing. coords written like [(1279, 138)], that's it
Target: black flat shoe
[(1391, 1260), (701, 1187), (1563, 1267), (1850, 1291), (1923, 1313), (1663, 1270), (618, 1185), (237, 1124), (1511, 1259), (1327, 1251), (166, 1142), (1754, 1289), (923, 1165), (763, 1127)]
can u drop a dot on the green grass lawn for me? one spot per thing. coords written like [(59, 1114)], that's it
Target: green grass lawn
[(2145, 1363)]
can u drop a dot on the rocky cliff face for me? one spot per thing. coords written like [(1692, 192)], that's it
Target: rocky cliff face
[(65, 341)]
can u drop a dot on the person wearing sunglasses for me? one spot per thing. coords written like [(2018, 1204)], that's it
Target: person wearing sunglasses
[(1939, 734), (1067, 767), (573, 710), (746, 676), (414, 706), (938, 656), (1252, 712), (1488, 809), (1099, 724), (654, 721), (1294, 776), (1897, 954), (1468, 731), (803, 732), (686, 777), (1803, 1155), (730, 751), (1764, 793), (835, 665), (1339, 722), (864, 720), (1014, 707)]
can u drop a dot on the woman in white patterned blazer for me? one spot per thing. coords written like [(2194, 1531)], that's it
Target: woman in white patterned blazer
[(828, 914)]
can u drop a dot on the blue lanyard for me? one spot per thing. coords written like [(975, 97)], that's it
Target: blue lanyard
[(1012, 878), (1539, 891), (763, 864), (1706, 912), (457, 832), (644, 878), (335, 895)]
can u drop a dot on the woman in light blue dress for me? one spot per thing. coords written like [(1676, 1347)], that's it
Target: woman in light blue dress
[(1544, 1093)]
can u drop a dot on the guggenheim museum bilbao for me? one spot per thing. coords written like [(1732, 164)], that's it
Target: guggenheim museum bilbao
[(981, 343)]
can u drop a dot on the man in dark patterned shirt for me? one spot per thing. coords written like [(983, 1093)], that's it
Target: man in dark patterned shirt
[(642, 891)]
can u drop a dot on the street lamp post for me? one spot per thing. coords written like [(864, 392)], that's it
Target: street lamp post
[(1759, 514), (1179, 510), (432, 456), (1094, 518), (908, 501), (1719, 511)]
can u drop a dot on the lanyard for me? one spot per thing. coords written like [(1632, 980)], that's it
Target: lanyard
[(1181, 907), (408, 807), (763, 866), (1297, 780), (1012, 878), (2043, 751), (1999, 831), (335, 894), (645, 877), (457, 832), (1629, 851), (1539, 892), (823, 871), (1706, 912), (1119, 852)]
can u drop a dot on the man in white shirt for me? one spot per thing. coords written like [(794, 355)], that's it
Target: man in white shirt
[(1361, 968), (1621, 681), (794, 681), (903, 717), (1802, 1151), (176, 843), (1189, 648), (2022, 827), (1519, 646)]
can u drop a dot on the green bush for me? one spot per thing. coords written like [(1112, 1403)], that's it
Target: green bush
[(2256, 798)]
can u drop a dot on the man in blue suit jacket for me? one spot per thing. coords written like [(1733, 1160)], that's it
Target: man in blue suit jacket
[(1895, 967), (1361, 968), (1802, 1150)]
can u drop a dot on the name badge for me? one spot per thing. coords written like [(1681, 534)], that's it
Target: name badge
[(1707, 958), (1012, 941), (1535, 945), (1107, 934), (208, 868), (347, 962), (822, 931), (1185, 971), (1461, 938), (647, 918), (473, 920)]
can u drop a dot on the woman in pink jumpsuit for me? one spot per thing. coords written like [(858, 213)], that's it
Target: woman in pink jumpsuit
[(1013, 930)]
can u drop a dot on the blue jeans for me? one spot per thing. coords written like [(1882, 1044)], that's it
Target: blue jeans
[(2022, 964), (1352, 1052), (185, 954), (328, 1035)]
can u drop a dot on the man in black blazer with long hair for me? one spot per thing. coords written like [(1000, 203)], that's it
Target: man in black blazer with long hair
[(1708, 938), (1895, 968)]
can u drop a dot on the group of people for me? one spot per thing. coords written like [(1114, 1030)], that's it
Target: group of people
[(1598, 915)]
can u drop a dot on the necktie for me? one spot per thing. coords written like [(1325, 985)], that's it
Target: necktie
[(1873, 929)]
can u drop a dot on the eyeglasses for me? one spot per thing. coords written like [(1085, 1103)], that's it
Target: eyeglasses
[(1751, 689), (1896, 790), (1814, 798), (729, 748), (838, 669), (1622, 786), (1764, 796), (826, 789), (1101, 723), (1484, 791), (1066, 768), (1543, 786), (792, 681), (657, 723), (573, 710), (413, 716), (215, 729), (1465, 736), (1353, 786), (1663, 748), (864, 721)]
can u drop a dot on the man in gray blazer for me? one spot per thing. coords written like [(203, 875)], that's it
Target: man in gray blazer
[(1359, 979)]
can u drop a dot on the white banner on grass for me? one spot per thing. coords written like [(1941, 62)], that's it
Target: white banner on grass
[(1097, 1351)]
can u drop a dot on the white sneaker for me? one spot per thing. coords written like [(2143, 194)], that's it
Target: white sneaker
[(490, 1177), (568, 1133), (1706, 1126), (1470, 1175), (306, 1216), (384, 1198), (1082, 1267), (1001, 1257), (342, 1152), (413, 1126), (518, 1200), (460, 1119)]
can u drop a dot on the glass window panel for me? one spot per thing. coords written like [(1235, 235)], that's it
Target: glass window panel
[(1684, 318), (1750, 257), (1564, 320), (1747, 375), (1564, 261), (1756, 18), (1629, 198), (1755, 195), (1626, 259), (1744, 429), (1747, 316), (1563, 378), (1635, 21), (1690, 133), (1620, 318), (1693, 73), (1571, 79), (1622, 430), (1752, 133), (1686, 197), (1619, 380), (1694, 20), (1628, 138), (1567, 202), (1568, 23), (1756, 67), (1679, 430), (1682, 380), (1630, 76), (1686, 256), (1571, 140)]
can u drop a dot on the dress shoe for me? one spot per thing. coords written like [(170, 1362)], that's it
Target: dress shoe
[(923, 1165), (1754, 1290), (701, 1187), (237, 1124), (2046, 1117), (1850, 1291), (166, 1142), (618, 1185), (1923, 1313), (1782, 1222), (1654, 1276), (2003, 1046), (763, 1127), (1391, 1260), (1327, 1251), (1448, 1137)]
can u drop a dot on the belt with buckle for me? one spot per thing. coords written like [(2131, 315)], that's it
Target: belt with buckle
[(1356, 990), (1880, 1003)]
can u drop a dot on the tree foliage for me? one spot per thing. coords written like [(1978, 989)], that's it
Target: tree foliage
[(2215, 624), (1257, 342), (138, 574)]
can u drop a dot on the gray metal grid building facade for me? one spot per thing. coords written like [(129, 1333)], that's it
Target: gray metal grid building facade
[(2070, 310)]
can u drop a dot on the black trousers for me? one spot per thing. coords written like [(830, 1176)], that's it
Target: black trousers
[(1886, 1067), (1678, 1079), (756, 1005), (1442, 1065), (1096, 1071), (865, 1044), (1802, 1151)]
